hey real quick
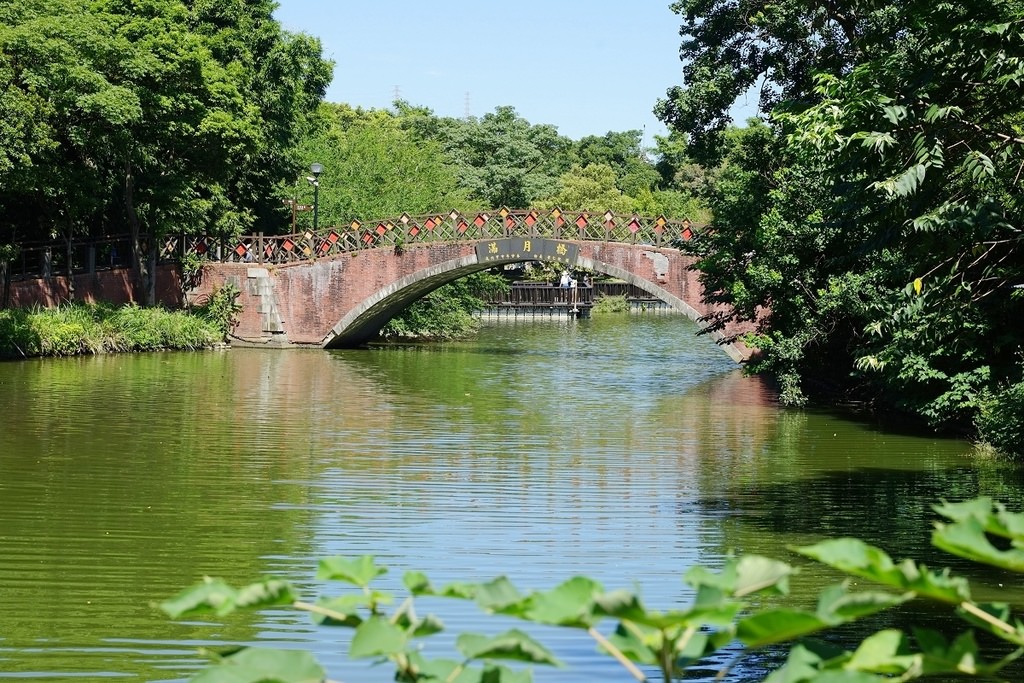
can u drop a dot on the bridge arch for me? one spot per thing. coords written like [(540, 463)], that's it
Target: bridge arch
[(365, 319), (368, 317)]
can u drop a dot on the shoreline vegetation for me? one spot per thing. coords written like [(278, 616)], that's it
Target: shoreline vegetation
[(85, 329)]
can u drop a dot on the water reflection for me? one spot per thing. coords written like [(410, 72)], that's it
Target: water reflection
[(625, 449)]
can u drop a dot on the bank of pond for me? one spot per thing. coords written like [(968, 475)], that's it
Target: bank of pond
[(90, 328)]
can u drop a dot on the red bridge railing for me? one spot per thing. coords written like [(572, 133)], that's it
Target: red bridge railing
[(90, 254), (407, 230)]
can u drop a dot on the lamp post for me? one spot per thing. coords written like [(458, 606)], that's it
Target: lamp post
[(316, 169)]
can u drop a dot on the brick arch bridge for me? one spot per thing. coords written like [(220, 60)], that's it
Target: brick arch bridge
[(339, 287)]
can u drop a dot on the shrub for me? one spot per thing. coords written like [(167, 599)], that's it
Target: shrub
[(78, 328), (221, 309), (18, 339), (67, 330), (610, 304), (1001, 420)]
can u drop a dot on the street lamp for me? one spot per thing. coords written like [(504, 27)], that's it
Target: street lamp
[(314, 180)]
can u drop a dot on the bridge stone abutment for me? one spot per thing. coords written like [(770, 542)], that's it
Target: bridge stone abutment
[(345, 300)]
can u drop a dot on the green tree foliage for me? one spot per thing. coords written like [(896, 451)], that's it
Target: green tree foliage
[(591, 188), (879, 219), (625, 155), (447, 312), (374, 168), (148, 117), (932, 136), (777, 46), (501, 159)]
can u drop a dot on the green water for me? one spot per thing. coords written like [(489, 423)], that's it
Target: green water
[(626, 449)]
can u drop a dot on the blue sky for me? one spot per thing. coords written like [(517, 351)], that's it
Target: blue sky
[(586, 67)]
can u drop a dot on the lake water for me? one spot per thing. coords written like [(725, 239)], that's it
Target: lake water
[(623, 448)]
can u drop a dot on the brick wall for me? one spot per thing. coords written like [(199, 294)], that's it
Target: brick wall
[(114, 286)]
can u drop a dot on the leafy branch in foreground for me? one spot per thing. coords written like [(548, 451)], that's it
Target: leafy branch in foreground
[(739, 608)]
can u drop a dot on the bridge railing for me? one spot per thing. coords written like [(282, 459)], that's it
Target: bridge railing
[(406, 230), (547, 294), (87, 255)]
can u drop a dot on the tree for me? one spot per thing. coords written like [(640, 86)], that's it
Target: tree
[(375, 168), (159, 117), (883, 223), (591, 188), (624, 154), (777, 46), (502, 159), (927, 142)]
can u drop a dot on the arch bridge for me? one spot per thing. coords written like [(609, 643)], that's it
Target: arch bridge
[(338, 287)]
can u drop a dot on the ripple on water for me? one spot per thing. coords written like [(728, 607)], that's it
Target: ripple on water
[(625, 449)]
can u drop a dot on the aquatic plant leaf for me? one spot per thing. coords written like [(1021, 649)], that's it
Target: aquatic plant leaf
[(725, 581), (417, 583), (458, 590), (215, 595), (837, 606), (857, 558), (626, 606), (436, 669), (806, 660), (885, 652), (427, 626), (966, 538), (620, 604), (853, 556), (498, 595), (571, 603), (756, 574), (267, 593), (994, 618), (777, 626), (700, 645), (405, 618), (512, 645), (959, 657), (495, 673), (993, 516), (210, 595), (263, 665), (359, 572), (344, 608), (637, 644), (377, 637)]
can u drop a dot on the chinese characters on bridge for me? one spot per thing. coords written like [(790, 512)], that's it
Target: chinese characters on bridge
[(527, 249)]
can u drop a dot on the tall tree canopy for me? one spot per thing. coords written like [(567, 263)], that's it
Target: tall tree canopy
[(501, 158), (152, 116), (775, 46), (879, 219), (374, 167)]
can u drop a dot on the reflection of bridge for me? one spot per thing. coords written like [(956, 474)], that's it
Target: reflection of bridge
[(338, 287)]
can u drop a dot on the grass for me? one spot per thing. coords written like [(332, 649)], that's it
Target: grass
[(77, 328)]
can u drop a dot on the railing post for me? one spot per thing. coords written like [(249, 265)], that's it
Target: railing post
[(91, 258), (259, 243)]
